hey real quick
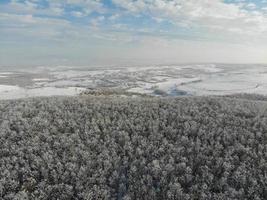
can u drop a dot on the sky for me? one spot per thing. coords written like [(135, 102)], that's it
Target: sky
[(114, 32)]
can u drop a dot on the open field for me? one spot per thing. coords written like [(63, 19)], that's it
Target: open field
[(172, 80)]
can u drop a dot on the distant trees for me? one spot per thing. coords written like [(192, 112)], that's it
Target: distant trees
[(133, 148)]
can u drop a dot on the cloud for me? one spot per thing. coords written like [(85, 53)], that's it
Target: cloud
[(6, 18), (27, 27), (251, 6), (137, 27), (32, 7), (87, 6), (95, 22), (213, 14), (77, 14), (114, 17), (54, 7)]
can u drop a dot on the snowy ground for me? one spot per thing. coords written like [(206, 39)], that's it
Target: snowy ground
[(173, 80)]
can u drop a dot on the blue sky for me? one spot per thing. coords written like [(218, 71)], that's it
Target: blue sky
[(87, 32)]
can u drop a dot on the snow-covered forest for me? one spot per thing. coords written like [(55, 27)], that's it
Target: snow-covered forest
[(134, 148)]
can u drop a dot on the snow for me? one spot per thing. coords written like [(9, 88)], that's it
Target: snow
[(53, 91), (6, 73), (194, 79), (40, 79), (15, 92), (10, 92), (139, 90), (208, 68), (8, 88)]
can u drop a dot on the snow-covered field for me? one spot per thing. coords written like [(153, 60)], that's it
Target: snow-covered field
[(171, 80)]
